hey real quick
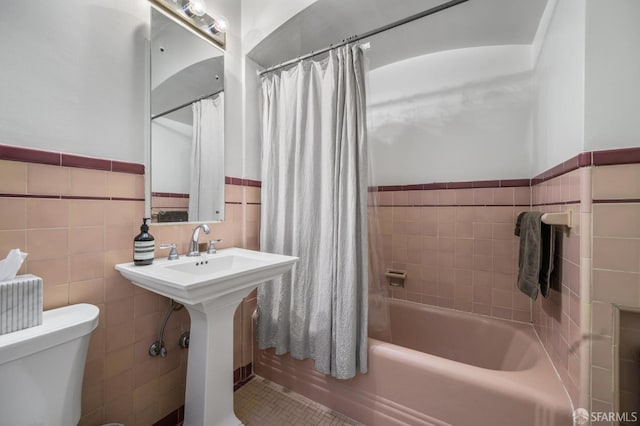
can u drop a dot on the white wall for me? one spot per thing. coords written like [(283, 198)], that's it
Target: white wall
[(560, 76), (171, 155), (233, 86), (252, 127), (73, 76), (588, 77), (586, 84), (612, 109), (261, 17), (456, 115)]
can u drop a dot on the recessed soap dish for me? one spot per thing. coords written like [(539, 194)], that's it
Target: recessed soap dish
[(396, 277)]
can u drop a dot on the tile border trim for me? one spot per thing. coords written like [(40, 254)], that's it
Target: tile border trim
[(608, 157), (449, 205), (508, 183), (556, 203), (30, 155), (82, 197), (174, 418), (583, 159), (616, 201), (169, 195), (612, 157), (69, 197), (241, 376), (52, 158), (242, 182)]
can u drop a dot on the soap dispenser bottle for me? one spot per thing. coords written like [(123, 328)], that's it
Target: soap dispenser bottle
[(143, 245)]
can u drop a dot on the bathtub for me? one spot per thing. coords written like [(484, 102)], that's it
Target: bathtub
[(442, 367)]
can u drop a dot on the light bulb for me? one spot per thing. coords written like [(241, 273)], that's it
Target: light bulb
[(223, 23), (196, 7), (219, 25)]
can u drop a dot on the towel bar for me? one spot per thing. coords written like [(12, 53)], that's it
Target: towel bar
[(564, 218)]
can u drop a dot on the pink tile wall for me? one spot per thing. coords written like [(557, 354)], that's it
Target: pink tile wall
[(459, 251), (616, 283), (457, 246), (75, 243), (173, 203), (558, 318)]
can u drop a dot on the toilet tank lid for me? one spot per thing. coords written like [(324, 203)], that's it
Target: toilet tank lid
[(58, 326)]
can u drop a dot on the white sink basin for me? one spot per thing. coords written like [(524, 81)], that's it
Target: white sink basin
[(217, 264), (210, 286), (193, 280)]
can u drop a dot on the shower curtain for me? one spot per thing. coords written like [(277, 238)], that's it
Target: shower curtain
[(207, 158), (314, 206)]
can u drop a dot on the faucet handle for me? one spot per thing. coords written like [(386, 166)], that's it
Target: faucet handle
[(212, 245), (173, 253)]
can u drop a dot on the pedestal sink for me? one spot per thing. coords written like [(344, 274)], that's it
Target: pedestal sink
[(211, 287)]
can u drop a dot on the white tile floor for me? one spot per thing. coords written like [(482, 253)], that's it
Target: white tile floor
[(264, 403)]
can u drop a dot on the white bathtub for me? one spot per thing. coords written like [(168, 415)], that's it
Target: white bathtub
[(443, 367)]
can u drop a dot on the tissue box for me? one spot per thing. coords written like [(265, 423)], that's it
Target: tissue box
[(20, 303)]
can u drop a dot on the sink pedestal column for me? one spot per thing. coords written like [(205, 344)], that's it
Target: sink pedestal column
[(211, 287), (209, 395)]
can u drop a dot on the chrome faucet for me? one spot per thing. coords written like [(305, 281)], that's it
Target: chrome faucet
[(195, 251)]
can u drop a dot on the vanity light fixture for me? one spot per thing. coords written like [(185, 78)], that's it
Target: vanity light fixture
[(195, 7), (224, 24), (193, 14), (219, 25)]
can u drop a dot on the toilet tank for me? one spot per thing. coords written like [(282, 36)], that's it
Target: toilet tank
[(41, 368)]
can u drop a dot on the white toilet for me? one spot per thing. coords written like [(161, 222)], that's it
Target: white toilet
[(41, 368)]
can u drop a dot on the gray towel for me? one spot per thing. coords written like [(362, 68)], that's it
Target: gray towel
[(547, 252), (535, 262)]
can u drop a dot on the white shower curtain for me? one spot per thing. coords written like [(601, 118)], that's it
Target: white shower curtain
[(314, 206), (207, 158)]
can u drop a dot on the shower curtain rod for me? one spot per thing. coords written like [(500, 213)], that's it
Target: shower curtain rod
[(162, 114), (356, 37)]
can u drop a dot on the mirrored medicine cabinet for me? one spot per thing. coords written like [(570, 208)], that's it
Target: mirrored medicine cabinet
[(187, 124)]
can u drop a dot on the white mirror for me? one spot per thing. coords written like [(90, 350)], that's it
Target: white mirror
[(187, 124)]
